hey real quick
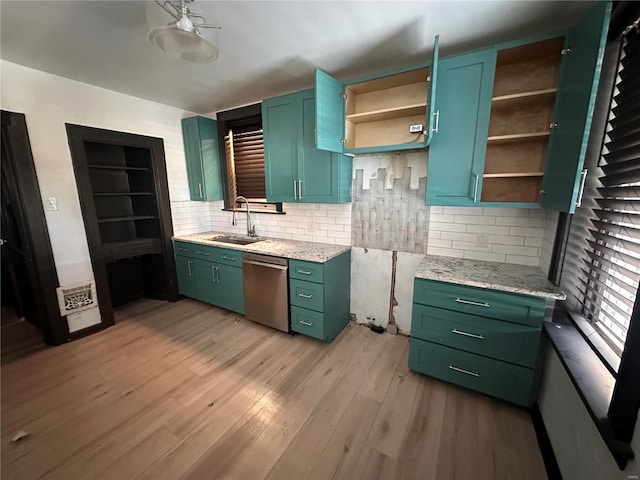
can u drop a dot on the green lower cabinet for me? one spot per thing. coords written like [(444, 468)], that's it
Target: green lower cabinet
[(481, 339), (492, 377), (184, 271), (217, 282), (320, 302)]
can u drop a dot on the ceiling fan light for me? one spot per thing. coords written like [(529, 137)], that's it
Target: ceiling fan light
[(184, 45), (184, 24)]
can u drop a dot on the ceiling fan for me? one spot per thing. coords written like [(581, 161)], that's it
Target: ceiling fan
[(183, 38)]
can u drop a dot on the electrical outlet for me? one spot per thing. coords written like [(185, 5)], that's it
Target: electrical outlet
[(482, 240), (52, 203), (417, 128)]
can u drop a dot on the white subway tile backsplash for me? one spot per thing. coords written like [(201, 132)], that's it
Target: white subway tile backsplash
[(470, 246), (475, 220), (505, 212), (514, 250), (533, 242), (532, 261), (520, 221), (447, 227), (462, 210), (462, 237), (438, 218), (487, 257), (497, 230), (526, 231), (445, 252), (505, 240)]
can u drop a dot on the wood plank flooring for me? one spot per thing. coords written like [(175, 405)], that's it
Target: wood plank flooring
[(188, 391)]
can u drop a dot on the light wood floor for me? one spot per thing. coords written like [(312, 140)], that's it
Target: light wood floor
[(185, 390)]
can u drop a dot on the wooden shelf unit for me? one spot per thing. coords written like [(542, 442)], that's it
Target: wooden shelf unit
[(522, 107), (379, 112)]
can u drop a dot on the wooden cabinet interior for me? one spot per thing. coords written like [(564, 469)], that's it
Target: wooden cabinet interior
[(380, 111), (521, 113)]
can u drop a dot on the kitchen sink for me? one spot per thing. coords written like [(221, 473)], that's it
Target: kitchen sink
[(236, 240)]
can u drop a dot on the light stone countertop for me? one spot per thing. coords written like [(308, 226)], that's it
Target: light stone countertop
[(308, 251), (505, 277)]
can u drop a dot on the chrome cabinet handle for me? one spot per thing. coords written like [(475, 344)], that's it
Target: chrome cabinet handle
[(218, 274), (466, 334), (437, 126), (583, 180), (224, 257), (308, 324), (189, 267), (462, 370), (299, 189), (470, 302), (295, 189), (475, 188), (198, 252), (304, 272), (304, 295), (200, 190), (213, 275)]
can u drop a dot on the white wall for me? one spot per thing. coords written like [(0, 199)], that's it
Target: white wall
[(579, 449), (48, 102)]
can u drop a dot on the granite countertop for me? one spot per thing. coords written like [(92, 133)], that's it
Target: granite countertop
[(506, 277), (308, 251)]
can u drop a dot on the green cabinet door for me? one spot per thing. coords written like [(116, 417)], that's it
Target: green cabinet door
[(433, 122), (230, 291), (321, 174), (279, 124), (203, 158), (457, 150), (184, 271), (329, 113), (205, 281), (578, 87)]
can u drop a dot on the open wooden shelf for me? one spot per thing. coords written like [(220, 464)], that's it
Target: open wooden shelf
[(523, 98), (513, 174), (136, 247), (119, 167), (129, 218), (388, 113), (122, 194), (517, 137)]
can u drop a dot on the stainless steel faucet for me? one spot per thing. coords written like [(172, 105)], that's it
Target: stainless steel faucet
[(251, 229)]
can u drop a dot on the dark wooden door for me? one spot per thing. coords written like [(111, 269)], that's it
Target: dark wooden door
[(27, 259)]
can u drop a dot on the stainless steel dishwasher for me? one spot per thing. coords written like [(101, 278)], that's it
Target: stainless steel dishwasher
[(266, 294)]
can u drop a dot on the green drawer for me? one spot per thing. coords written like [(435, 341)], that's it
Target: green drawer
[(515, 308), (306, 295), (183, 248), (204, 252), (307, 322), (506, 341), (227, 256), (491, 377), (309, 271)]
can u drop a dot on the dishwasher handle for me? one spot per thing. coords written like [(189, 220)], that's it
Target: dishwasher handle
[(263, 264)]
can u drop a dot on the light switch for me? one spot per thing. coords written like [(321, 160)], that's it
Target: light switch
[(52, 203)]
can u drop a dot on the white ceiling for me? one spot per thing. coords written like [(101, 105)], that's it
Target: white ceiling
[(266, 47)]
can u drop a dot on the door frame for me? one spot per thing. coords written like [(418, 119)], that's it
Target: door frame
[(42, 271)]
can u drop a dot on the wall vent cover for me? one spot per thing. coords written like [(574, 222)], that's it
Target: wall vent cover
[(76, 298)]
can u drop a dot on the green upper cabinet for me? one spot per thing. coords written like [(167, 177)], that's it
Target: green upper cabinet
[(461, 109), (295, 170), (522, 115), (380, 113), (433, 120), (279, 128), (203, 158), (580, 75)]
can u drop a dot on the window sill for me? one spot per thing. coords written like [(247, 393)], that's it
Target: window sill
[(592, 380), (268, 212)]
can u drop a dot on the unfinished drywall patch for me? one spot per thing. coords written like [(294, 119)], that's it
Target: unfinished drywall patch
[(370, 284), (406, 267), (390, 218)]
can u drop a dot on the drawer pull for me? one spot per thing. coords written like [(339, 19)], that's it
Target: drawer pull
[(308, 324), (303, 295), (462, 370), (469, 302), (466, 334), (198, 252), (180, 249), (304, 272), (189, 267), (224, 257)]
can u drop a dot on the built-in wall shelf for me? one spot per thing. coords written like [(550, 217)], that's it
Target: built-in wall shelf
[(522, 98), (126, 219), (120, 168), (517, 137), (513, 174), (122, 194), (388, 113)]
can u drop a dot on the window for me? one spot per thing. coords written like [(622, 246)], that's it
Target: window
[(243, 149)]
